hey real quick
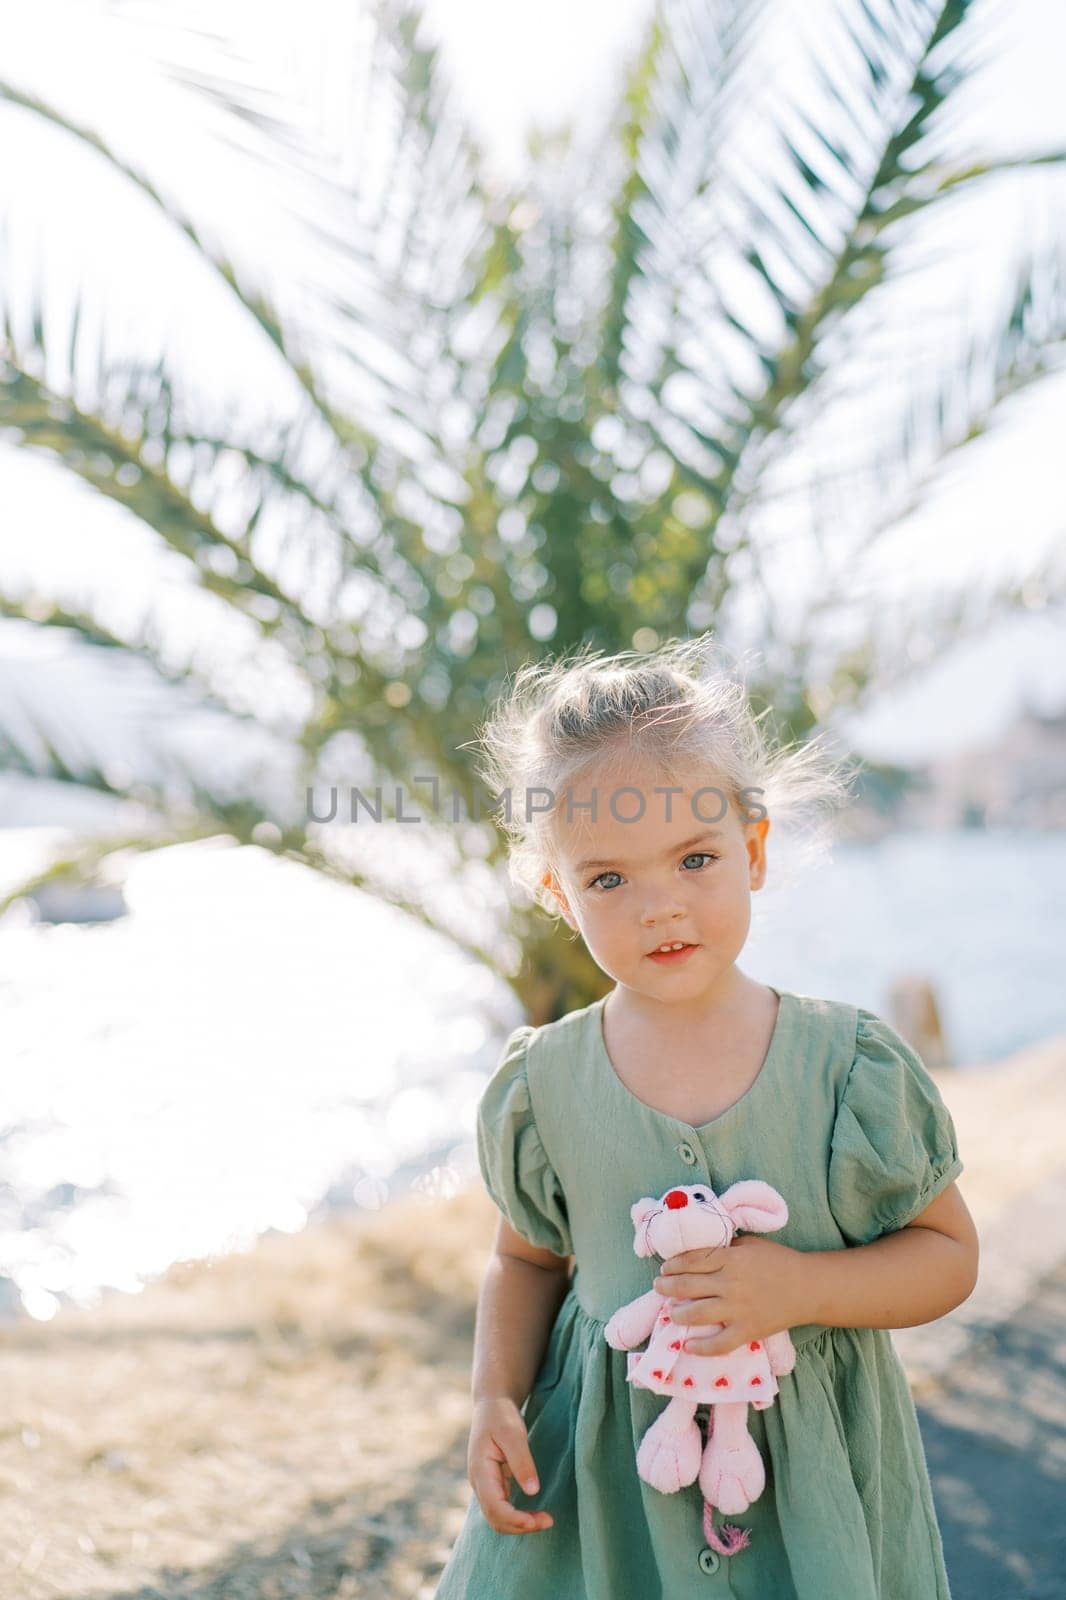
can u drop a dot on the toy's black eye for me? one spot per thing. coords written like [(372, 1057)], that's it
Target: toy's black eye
[(697, 1196)]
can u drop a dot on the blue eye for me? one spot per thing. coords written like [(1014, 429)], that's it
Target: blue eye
[(694, 855)]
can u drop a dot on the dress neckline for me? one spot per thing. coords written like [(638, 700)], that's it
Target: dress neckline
[(788, 1008)]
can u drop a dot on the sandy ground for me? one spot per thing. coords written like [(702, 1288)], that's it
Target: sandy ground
[(995, 1440), (1011, 1124), (292, 1422)]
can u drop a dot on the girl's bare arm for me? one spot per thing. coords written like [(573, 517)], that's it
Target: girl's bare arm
[(906, 1278), (521, 1293), (520, 1296)]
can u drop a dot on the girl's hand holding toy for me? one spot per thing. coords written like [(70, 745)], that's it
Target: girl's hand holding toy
[(748, 1290)]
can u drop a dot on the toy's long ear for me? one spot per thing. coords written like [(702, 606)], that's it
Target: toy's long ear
[(755, 1206), (640, 1212)]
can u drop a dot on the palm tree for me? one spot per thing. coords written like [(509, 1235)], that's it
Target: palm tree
[(576, 408)]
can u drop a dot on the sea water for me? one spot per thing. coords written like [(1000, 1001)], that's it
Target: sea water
[(254, 1045)]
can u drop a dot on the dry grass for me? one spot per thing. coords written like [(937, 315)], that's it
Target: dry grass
[(291, 1422)]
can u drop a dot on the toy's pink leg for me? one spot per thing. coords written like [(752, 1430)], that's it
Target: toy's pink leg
[(668, 1456), (731, 1474)]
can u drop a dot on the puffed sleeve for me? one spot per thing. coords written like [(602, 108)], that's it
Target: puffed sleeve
[(893, 1146), (513, 1161)]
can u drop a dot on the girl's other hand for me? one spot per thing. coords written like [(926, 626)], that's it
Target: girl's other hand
[(499, 1452)]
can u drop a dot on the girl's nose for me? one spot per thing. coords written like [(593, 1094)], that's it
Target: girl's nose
[(667, 912), (676, 1199), (663, 902)]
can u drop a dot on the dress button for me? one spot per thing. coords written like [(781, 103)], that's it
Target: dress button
[(686, 1152), (708, 1560)]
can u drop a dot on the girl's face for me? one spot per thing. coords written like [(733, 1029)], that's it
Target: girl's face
[(666, 877)]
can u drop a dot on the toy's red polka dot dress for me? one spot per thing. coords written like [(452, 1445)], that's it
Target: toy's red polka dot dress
[(846, 1124), (667, 1368)]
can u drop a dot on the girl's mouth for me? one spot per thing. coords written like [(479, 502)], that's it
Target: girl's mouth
[(672, 958)]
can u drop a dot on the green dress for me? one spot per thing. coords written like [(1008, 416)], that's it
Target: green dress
[(846, 1123)]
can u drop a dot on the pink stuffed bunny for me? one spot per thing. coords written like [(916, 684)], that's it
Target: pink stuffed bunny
[(731, 1473)]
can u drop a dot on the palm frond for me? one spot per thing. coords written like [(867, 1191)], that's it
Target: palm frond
[(281, 334), (53, 424), (964, 399), (812, 232), (679, 104), (389, 193), (146, 643)]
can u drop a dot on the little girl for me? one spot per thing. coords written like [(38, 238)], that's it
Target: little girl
[(661, 790)]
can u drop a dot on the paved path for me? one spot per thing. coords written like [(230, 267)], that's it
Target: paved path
[(995, 1440)]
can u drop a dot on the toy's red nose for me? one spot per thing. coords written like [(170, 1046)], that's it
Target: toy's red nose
[(676, 1199)]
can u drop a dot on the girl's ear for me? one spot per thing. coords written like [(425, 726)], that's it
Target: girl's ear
[(754, 1206), (551, 882)]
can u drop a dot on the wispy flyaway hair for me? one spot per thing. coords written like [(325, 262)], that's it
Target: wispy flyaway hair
[(681, 711)]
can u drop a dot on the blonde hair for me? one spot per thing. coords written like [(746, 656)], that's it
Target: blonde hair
[(680, 708)]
